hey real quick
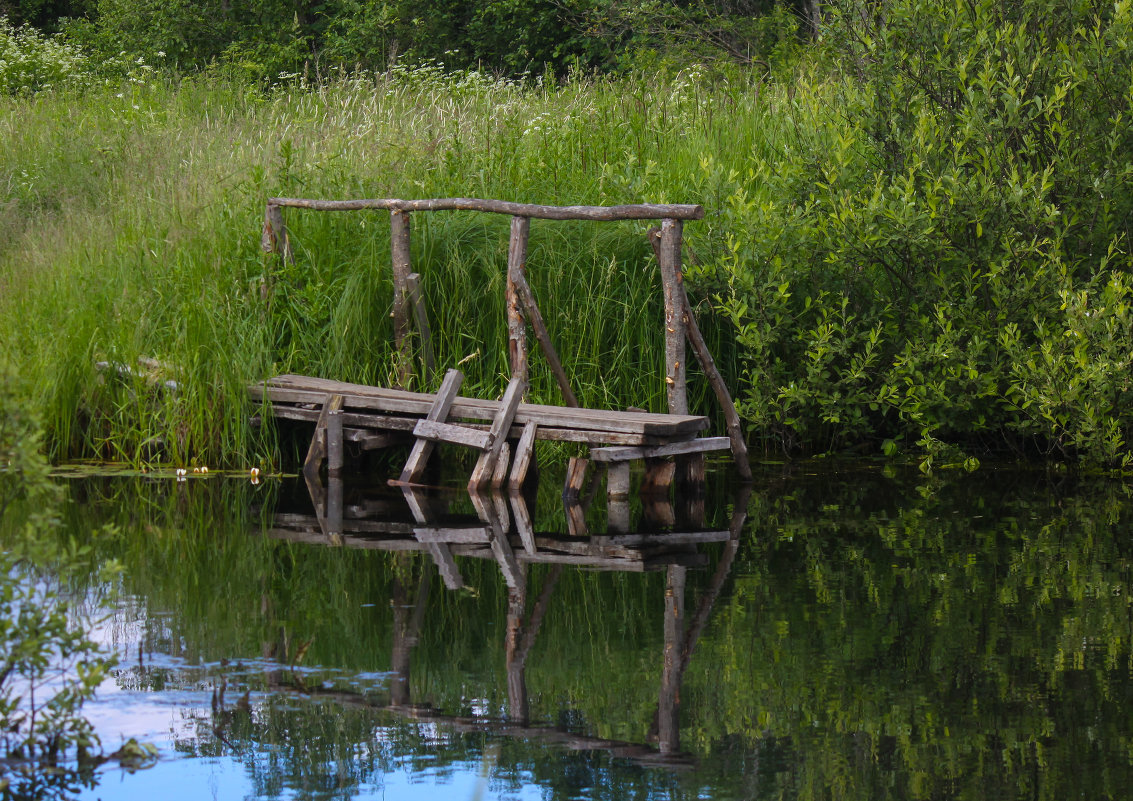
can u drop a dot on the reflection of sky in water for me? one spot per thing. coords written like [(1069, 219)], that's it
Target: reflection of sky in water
[(173, 716), (172, 780)]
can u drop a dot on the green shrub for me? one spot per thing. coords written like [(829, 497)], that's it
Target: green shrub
[(32, 62), (48, 664), (944, 255)]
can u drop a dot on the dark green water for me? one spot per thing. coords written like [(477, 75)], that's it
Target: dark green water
[(866, 634)]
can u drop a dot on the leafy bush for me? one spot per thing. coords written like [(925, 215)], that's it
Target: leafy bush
[(31, 62), (48, 664), (946, 257)]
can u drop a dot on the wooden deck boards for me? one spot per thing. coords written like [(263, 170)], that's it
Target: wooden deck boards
[(293, 390)]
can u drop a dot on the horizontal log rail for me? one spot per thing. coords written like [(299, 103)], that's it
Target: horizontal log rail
[(639, 211)]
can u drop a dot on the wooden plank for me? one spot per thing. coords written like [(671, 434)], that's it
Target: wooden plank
[(638, 211), (624, 454), (524, 450), (357, 543), (406, 424), (418, 504), (438, 411), (499, 476), (300, 389), (575, 477), (486, 465), (446, 565), (457, 435), (400, 256), (362, 527), (664, 539), (575, 517), (350, 420), (516, 329), (481, 534), (317, 450), (421, 317), (523, 524), (618, 513)]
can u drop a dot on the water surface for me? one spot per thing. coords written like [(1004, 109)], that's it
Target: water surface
[(840, 632)]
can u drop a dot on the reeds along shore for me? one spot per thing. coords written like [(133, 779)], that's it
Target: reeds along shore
[(133, 231), (907, 248)]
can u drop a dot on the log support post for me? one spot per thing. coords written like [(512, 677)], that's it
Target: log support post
[(516, 328), (274, 239), (399, 247), (672, 282)]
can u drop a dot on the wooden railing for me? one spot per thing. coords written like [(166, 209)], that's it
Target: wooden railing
[(681, 329)]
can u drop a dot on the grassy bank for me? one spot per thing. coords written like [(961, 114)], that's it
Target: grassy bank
[(917, 239), (133, 220)]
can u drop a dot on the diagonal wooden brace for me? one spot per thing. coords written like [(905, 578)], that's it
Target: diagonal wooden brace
[(486, 465), (422, 448)]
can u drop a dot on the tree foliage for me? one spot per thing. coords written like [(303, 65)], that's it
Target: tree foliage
[(950, 261), (49, 666)]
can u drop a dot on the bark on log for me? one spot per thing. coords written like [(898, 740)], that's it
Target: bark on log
[(641, 211)]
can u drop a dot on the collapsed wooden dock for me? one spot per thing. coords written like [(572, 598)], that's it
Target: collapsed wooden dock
[(504, 431)]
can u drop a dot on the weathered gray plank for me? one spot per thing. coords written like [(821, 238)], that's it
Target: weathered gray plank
[(575, 477), (438, 411), (523, 453), (299, 389), (406, 424), (623, 454), (457, 435), (523, 524), (499, 475), (399, 247), (501, 424), (479, 534)]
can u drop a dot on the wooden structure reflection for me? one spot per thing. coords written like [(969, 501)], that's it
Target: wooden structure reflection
[(503, 532)]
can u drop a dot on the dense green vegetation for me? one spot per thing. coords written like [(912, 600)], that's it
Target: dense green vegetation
[(49, 665), (880, 635), (917, 233)]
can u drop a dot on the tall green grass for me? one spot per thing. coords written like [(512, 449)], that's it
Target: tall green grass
[(131, 225)]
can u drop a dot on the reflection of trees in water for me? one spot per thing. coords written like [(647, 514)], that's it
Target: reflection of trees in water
[(878, 637)]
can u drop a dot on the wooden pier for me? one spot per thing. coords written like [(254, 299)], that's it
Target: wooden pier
[(503, 431)]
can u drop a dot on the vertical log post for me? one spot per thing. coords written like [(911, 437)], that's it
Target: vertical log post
[(669, 252), (274, 239), (399, 247), (516, 328), (334, 436)]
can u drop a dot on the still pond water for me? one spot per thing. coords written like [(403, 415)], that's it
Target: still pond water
[(838, 632)]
